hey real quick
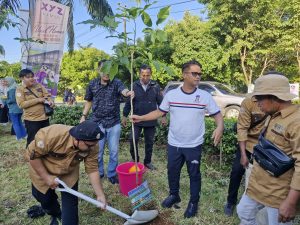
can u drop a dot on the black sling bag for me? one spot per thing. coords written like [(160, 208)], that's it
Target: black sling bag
[(271, 158)]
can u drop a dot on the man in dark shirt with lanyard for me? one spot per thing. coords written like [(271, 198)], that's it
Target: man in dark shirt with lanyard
[(102, 95)]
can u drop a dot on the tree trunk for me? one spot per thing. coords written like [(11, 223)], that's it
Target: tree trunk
[(264, 66), (243, 55), (298, 57)]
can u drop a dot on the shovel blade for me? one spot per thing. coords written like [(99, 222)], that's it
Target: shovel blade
[(140, 217)]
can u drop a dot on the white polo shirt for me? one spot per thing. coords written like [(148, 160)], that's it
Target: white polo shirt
[(187, 112)]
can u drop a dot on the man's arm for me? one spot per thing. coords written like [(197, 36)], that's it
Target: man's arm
[(97, 186), (244, 159), (150, 116), (24, 104), (86, 109), (287, 209), (243, 124), (127, 93), (126, 111), (218, 132), (39, 167)]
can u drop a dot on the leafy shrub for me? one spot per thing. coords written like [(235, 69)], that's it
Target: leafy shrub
[(229, 139), (69, 115), (296, 101)]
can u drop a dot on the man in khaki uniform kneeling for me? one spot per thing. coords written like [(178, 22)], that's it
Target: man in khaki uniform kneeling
[(57, 151)]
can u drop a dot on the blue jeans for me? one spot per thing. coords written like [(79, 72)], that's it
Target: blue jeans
[(112, 136), (16, 119)]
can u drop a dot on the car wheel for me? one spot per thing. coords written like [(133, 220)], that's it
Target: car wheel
[(232, 111)]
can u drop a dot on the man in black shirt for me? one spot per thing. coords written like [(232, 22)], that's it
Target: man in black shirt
[(102, 95), (147, 99)]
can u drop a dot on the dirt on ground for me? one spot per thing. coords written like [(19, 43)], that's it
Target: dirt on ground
[(163, 218)]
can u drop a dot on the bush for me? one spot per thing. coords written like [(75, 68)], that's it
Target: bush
[(296, 101), (229, 139), (69, 115)]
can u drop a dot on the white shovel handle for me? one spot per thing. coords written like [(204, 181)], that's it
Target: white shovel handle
[(89, 199)]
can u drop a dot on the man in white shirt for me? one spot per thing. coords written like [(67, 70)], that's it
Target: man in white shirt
[(187, 106)]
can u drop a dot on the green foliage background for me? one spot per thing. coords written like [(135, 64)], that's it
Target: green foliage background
[(70, 115), (79, 68)]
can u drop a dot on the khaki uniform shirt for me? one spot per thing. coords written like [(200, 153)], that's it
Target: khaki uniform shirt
[(33, 109), (250, 113), (283, 131), (54, 146)]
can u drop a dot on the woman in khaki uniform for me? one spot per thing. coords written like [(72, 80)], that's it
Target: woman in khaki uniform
[(279, 195), (57, 152), (33, 106)]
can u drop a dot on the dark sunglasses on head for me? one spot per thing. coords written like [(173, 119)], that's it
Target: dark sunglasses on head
[(195, 74)]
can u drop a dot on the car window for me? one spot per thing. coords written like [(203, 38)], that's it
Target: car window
[(171, 87), (224, 89), (206, 87)]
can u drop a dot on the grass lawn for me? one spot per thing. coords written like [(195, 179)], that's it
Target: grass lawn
[(15, 193)]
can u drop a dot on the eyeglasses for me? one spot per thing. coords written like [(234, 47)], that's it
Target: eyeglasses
[(89, 145), (29, 76), (195, 74)]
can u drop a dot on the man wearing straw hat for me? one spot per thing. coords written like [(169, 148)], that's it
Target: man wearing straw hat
[(278, 194), (187, 106), (57, 151)]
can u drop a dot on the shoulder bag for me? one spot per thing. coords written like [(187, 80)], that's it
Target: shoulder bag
[(271, 158), (48, 110)]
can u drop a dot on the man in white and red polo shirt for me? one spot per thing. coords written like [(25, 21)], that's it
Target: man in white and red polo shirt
[(187, 105)]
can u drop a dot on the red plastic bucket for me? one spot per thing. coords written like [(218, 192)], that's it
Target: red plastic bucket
[(127, 181)]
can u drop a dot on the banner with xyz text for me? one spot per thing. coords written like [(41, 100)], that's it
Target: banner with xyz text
[(44, 28)]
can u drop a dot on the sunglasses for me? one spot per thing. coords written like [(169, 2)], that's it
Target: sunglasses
[(195, 74)]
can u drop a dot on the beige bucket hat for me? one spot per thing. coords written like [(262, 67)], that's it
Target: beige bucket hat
[(273, 84)]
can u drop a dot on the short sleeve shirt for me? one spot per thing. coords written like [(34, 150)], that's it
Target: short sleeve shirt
[(187, 112), (106, 104)]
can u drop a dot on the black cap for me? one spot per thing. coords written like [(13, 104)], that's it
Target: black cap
[(87, 131)]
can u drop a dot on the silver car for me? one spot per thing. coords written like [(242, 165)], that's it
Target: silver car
[(228, 100)]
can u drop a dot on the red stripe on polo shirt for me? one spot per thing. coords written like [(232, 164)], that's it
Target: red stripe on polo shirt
[(187, 104)]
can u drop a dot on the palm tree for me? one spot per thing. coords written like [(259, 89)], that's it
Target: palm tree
[(97, 9), (10, 5)]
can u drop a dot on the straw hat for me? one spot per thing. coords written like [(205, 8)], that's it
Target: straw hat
[(273, 84)]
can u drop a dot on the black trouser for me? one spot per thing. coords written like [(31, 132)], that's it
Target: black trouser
[(176, 158), (149, 133), (32, 127), (4, 114), (236, 175), (69, 212)]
